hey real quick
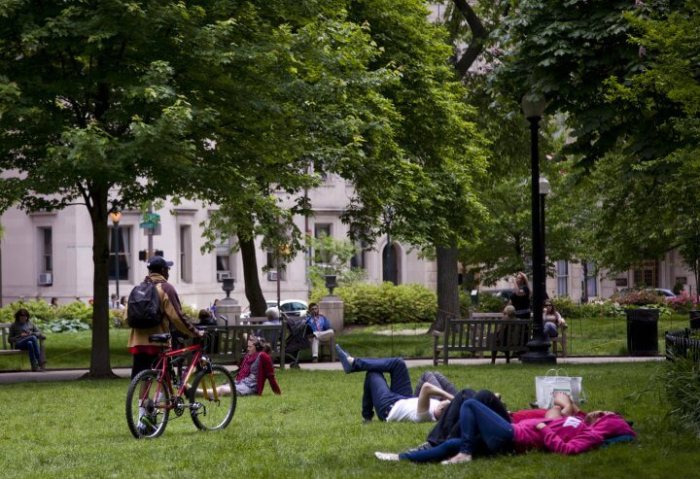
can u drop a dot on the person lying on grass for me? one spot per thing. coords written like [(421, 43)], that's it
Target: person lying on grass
[(394, 402), (485, 432)]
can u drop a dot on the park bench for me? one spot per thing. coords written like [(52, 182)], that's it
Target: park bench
[(232, 339), (481, 332), (559, 343), (7, 349)]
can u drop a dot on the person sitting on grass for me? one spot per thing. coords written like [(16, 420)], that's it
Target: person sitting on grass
[(395, 402), (255, 368), (485, 431)]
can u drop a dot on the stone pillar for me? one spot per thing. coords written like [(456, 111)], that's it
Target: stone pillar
[(230, 308), (332, 308)]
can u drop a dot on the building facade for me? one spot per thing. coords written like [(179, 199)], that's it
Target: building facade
[(49, 254)]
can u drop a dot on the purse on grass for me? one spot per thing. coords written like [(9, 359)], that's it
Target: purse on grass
[(546, 386)]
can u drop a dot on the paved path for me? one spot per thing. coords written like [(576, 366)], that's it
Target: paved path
[(74, 374)]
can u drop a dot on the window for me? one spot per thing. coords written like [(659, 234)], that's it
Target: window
[(273, 269), (46, 240), (322, 230), (224, 260), (359, 259), (119, 251), (562, 278), (646, 275), (591, 280), (185, 255)]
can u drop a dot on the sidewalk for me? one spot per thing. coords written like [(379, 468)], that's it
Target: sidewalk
[(75, 374)]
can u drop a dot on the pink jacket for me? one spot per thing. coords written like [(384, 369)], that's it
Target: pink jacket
[(568, 435)]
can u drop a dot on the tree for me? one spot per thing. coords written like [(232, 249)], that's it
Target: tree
[(112, 104)]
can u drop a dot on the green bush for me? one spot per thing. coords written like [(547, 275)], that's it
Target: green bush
[(489, 303), (67, 325), (39, 311), (681, 378), (386, 303), (465, 303), (75, 310)]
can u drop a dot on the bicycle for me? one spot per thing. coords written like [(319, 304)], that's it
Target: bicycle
[(154, 393)]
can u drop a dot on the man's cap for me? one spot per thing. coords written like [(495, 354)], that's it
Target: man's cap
[(158, 262)]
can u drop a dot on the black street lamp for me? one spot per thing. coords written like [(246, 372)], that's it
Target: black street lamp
[(116, 217), (388, 259), (538, 347)]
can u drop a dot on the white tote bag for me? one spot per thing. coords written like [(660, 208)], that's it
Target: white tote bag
[(546, 386)]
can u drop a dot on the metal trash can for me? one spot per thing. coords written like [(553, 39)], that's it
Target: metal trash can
[(642, 332), (694, 319)]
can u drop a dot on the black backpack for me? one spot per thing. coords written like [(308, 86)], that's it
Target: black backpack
[(144, 306)]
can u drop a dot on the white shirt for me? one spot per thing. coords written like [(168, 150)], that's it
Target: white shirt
[(407, 410)]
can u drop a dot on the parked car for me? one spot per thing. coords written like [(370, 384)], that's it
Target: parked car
[(290, 307)]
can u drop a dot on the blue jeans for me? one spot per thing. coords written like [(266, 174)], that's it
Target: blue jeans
[(550, 329), (31, 344), (480, 427), (377, 393)]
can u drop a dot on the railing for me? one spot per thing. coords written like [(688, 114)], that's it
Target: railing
[(680, 344)]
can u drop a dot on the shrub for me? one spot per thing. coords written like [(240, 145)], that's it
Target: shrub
[(681, 379), (75, 310), (386, 303), (638, 297), (67, 325), (489, 303), (682, 303), (39, 311)]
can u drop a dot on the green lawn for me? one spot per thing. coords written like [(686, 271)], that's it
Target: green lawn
[(586, 337), (314, 430)]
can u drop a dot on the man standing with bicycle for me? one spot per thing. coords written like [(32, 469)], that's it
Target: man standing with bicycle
[(145, 352)]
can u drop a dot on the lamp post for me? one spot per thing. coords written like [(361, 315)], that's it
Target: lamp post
[(116, 216), (545, 189), (388, 259), (538, 347)]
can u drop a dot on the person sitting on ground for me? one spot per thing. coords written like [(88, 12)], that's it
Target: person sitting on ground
[(255, 368), (320, 328), (484, 430), (25, 336), (552, 320), (395, 402)]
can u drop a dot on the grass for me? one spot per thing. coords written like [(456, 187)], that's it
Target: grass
[(314, 430), (586, 337)]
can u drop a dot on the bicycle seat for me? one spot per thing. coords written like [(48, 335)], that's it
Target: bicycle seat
[(159, 338)]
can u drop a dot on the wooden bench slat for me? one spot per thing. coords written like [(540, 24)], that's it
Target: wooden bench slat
[(482, 332)]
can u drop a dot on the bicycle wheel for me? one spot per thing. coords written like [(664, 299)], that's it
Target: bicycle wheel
[(147, 405), (212, 410)]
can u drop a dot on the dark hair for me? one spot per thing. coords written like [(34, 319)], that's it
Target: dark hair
[(260, 344), (311, 305), (21, 312)]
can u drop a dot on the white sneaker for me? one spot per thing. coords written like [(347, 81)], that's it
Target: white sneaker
[(386, 456)]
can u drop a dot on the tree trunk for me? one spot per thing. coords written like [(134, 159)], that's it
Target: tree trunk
[(100, 366), (253, 291), (448, 288)]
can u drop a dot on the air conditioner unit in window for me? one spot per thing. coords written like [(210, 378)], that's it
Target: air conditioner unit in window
[(272, 276), (45, 279), (222, 275)]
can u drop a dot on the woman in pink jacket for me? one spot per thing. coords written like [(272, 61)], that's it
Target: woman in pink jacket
[(488, 433)]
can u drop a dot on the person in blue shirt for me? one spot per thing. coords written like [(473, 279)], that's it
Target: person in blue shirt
[(320, 327)]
